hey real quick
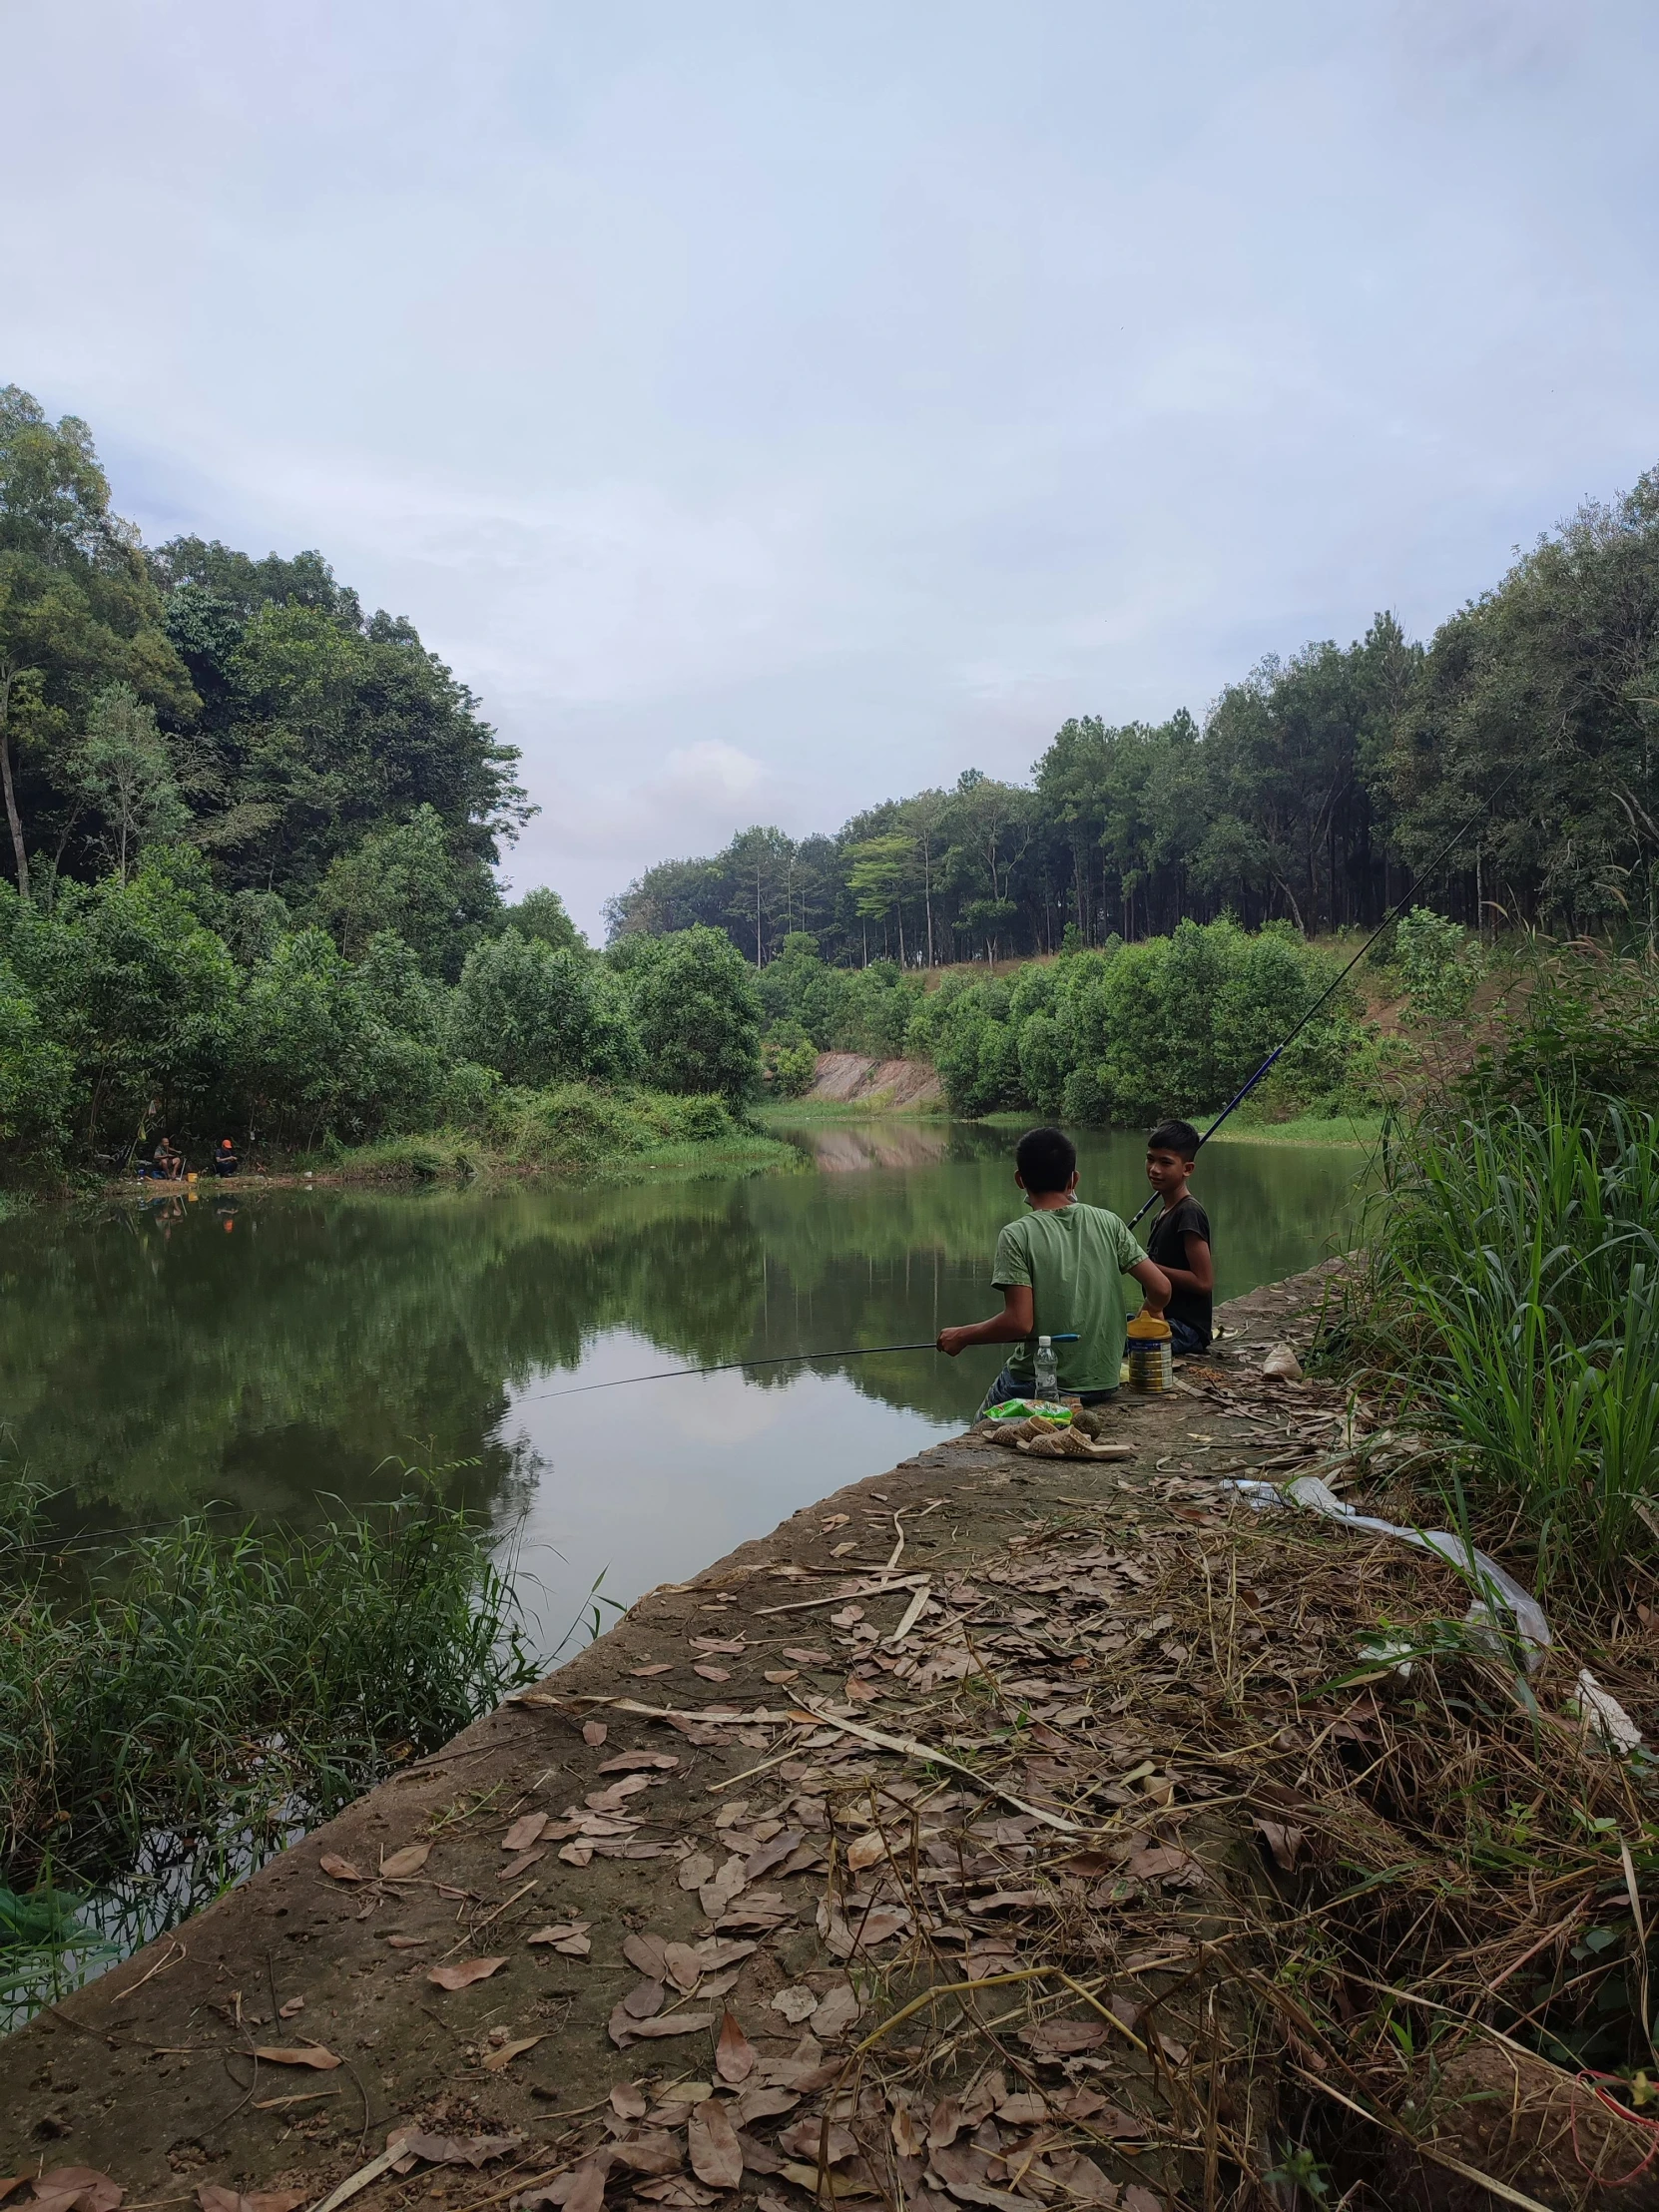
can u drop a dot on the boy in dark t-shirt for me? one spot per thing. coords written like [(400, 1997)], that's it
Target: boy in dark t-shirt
[(1180, 1237)]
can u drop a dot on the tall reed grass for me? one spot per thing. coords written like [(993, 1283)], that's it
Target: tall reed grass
[(1512, 1297), (209, 1688)]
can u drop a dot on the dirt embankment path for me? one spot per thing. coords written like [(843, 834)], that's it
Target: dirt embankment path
[(853, 1079), (647, 1936)]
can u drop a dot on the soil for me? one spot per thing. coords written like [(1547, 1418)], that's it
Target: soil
[(679, 1722), (853, 1079)]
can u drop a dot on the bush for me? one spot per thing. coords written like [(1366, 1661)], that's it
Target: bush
[(1438, 963)]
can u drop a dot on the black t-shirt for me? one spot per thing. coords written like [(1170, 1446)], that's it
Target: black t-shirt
[(1167, 1244)]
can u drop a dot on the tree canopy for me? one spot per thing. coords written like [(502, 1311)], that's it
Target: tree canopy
[(1313, 788)]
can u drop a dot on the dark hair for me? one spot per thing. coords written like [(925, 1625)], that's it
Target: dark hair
[(1046, 1159), (1179, 1137)]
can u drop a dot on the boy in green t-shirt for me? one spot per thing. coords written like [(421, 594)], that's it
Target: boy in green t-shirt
[(1060, 1272)]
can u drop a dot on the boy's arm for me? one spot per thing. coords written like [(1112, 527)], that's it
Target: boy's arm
[(1152, 1278), (1017, 1319), (1199, 1274)]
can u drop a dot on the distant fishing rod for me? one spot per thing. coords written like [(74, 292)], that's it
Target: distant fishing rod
[(1240, 1095), (773, 1360)]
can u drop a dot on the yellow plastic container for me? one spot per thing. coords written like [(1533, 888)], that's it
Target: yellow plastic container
[(1151, 1360)]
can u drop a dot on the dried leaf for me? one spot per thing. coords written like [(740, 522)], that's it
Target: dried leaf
[(525, 1831), (652, 2151), (837, 2012), (587, 2191), (836, 1520), (635, 1762), (675, 2190), (761, 2102), (860, 1692), (782, 1674), (649, 1953), (83, 2187), (628, 2102), (463, 1974), (696, 1870), (409, 1943), (294, 2005), (715, 2154), (569, 1936), (662, 1666), (642, 2000), (1286, 1843), (719, 1890), (304, 2054), (712, 1674), (495, 2060), (399, 1866), (1060, 2038), (623, 2028), (773, 1853), (803, 1657), (452, 2150), (796, 2004), (1165, 1863), (868, 1851), (735, 2054), (804, 2141), (340, 1869), (732, 1646), (909, 2134), (593, 1733), (946, 2124)]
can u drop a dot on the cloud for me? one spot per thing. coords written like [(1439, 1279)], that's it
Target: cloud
[(768, 411)]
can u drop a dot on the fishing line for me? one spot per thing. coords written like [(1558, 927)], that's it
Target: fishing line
[(726, 1366), (1240, 1095)]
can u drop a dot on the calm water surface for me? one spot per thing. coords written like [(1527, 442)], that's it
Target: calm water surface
[(272, 1353)]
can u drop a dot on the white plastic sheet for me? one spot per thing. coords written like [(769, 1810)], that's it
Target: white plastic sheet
[(1603, 1715)]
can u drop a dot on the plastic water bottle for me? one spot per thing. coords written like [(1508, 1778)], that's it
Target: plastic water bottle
[(1046, 1369)]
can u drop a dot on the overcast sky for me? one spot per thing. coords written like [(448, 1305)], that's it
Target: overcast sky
[(769, 408)]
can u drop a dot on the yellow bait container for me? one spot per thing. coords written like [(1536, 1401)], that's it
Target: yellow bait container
[(1151, 1354)]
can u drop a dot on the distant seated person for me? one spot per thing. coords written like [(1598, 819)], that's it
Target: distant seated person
[(167, 1163), (225, 1160), (1061, 1270), (1180, 1237)]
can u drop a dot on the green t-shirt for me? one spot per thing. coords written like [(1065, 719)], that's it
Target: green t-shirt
[(1074, 1259)]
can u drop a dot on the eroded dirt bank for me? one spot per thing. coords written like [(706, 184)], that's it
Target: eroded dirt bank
[(937, 1848)]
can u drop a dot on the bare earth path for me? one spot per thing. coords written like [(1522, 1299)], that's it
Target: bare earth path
[(617, 1942)]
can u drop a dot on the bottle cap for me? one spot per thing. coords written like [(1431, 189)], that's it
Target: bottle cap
[(1041, 1341), (1149, 1328)]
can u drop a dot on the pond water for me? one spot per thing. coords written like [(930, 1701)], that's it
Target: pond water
[(268, 1352)]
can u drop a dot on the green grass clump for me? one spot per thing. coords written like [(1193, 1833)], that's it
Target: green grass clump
[(205, 1687), (1512, 1301)]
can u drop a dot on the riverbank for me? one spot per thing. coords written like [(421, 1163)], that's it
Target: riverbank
[(650, 1915)]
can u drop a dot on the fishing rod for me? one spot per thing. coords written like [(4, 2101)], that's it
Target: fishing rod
[(1240, 1095), (726, 1366)]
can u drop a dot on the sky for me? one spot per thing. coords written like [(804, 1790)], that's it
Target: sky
[(772, 408)]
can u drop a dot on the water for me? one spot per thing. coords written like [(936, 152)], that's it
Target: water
[(273, 1352)]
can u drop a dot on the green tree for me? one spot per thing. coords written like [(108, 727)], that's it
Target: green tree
[(126, 769), (542, 1017), (541, 915), (79, 611), (699, 1015), (400, 877)]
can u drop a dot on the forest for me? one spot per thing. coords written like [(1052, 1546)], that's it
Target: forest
[(1312, 791), (252, 835)]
